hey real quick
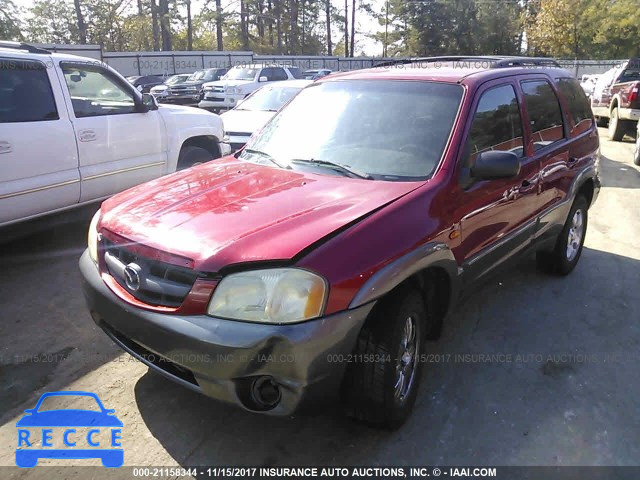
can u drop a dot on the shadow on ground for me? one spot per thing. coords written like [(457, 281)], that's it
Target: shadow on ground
[(526, 372), (48, 337)]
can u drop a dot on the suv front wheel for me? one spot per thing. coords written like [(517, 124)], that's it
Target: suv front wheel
[(381, 383)]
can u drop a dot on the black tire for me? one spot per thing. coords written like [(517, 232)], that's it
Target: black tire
[(602, 121), (372, 389), (191, 155), (636, 151), (562, 260), (616, 126)]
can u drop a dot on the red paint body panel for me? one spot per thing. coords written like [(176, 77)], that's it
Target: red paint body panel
[(230, 211)]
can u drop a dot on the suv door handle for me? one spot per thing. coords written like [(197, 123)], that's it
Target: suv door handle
[(5, 147), (526, 183), (87, 135)]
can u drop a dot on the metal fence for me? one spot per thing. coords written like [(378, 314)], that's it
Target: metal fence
[(169, 63)]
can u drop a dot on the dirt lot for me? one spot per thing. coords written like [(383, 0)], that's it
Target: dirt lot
[(569, 395)]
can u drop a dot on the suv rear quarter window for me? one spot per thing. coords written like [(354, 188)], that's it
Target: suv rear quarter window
[(578, 105), (544, 113), (497, 124), (25, 92)]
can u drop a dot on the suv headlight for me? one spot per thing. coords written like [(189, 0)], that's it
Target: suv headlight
[(233, 90), (207, 88), (92, 237), (277, 295)]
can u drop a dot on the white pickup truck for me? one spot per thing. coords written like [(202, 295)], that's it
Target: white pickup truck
[(73, 131)]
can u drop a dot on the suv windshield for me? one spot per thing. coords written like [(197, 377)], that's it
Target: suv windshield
[(269, 99), (238, 73), (388, 130)]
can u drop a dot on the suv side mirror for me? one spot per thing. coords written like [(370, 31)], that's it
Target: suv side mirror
[(263, 79), (494, 164)]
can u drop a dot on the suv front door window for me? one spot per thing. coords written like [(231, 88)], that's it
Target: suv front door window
[(118, 145)]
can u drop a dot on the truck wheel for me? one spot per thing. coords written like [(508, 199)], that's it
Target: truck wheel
[(636, 151), (616, 127), (566, 253), (191, 155), (381, 385)]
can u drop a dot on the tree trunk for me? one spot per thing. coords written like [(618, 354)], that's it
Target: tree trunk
[(260, 20), (293, 27), (243, 26), (346, 28), (82, 27), (353, 26), (140, 8), (270, 8), (385, 47), (154, 25), (165, 28), (278, 5), (327, 6), (303, 29), (219, 25), (189, 27)]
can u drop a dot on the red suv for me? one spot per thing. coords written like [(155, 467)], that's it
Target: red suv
[(318, 260)]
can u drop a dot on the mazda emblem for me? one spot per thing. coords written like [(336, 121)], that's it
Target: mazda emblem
[(132, 276)]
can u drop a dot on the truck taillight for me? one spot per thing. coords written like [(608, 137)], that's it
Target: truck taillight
[(633, 95)]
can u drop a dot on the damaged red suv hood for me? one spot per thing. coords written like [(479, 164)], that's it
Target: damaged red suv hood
[(228, 211)]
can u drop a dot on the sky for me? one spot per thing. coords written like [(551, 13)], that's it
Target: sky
[(364, 23)]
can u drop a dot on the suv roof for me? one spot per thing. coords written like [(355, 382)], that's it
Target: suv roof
[(453, 69)]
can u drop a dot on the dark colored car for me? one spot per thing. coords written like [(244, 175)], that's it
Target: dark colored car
[(316, 74), (144, 83), (616, 99), (317, 261), (191, 90)]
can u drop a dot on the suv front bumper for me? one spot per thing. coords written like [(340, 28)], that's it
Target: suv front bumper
[(224, 358)]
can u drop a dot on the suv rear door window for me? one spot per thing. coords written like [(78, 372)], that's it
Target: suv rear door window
[(497, 124), (25, 92), (544, 113), (578, 105)]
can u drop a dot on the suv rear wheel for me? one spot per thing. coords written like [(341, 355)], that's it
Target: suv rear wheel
[(564, 257), (381, 384), (636, 151)]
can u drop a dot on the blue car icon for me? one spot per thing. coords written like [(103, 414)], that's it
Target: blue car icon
[(69, 418)]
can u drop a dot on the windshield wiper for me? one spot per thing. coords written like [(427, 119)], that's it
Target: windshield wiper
[(265, 155), (350, 172)]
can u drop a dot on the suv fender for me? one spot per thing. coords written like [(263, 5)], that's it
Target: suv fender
[(432, 254)]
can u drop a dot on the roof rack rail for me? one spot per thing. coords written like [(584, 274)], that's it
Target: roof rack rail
[(23, 46), (526, 61), (497, 61)]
